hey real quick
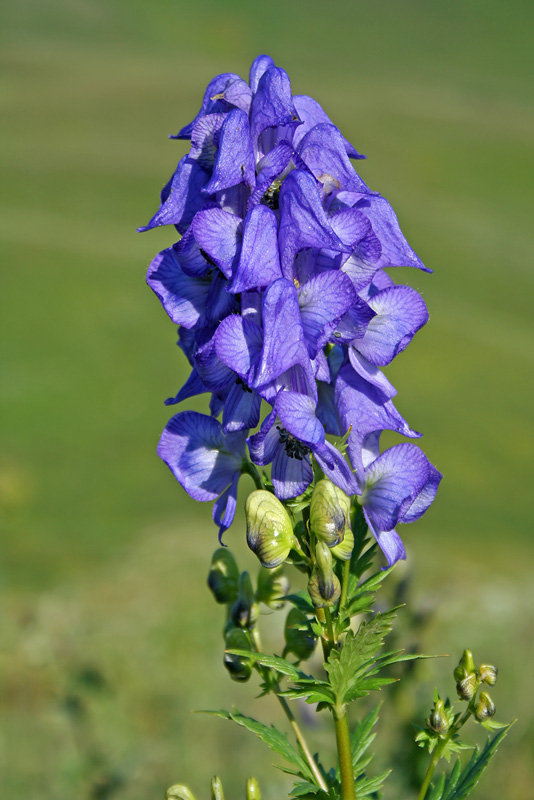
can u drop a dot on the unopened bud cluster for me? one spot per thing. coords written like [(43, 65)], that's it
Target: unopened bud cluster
[(469, 678)]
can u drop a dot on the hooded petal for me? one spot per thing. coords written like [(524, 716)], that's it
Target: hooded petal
[(354, 323), (396, 252), (192, 387), (324, 153), (201, 458), (272, 105), (264, 444), (183, 298), (312, 114), (215, 375), (235, 158), (400, 312), (218, 234), (212, 102), (259, 262), (425, 496), (369, 372), (260, 65), (239, 94), (205, 140), (184, 197), (303, 222), (392, 483)]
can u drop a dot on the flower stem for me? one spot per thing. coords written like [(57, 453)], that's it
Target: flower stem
[(302, 741), (439, 751), (348, 789), (344, 584)]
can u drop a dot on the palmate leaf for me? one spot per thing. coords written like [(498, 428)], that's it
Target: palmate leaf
[(345, 667), (274, 739), (460, 783)]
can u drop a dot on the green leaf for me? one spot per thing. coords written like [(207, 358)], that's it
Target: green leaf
[(460, 783), (273, 738), (273, 662), (302, 601), (369, 786), (356, 657)]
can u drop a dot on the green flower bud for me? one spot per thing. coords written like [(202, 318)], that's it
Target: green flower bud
[(269, 528), (323, 586), (466, 662), (485, 707), (253, 789), (329, 512), (239, 667), (299, 636), (245, 610), (344, 549), (438, 720), (488, 674), (459, 673), (467, 687), (216, 789), (179, 792), (223, 576), (272, 586)]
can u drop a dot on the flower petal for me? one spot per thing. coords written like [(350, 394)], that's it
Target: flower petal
[(238, 343), (234, 162), (312, 114), (192, 387), (211, 103), (225, 506), (323, 301), (184, 197), (425, 496), (201, 458), (392, 483), (297, 415), (303, 222), (183, 298), (290, 476), (400, 312), (396, 252), (283, 343), (219, 234), (389, 542), (272, 105), (259, 262), (323, 151), (336, 468), (241, 409)]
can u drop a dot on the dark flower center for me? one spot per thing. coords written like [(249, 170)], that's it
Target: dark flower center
[(272, 196), (241, 382), (294, 447)]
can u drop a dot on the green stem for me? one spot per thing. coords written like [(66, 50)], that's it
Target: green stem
[(348, 789), (344, 584), (251, 470), (302, 741), (439, 751), (329, 628)]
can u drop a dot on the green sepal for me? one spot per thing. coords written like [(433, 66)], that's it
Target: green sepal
[(273, 738), (460, 783)]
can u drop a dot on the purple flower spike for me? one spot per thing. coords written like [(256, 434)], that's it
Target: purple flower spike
[(399, 487)]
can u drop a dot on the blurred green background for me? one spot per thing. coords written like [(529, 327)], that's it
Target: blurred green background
[(108, 635)]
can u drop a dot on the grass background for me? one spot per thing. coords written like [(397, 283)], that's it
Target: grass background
[(108, 635)]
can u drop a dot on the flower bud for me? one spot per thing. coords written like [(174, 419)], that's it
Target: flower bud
[(323, 586), (438, 720), (179, 792), (239, 667), (245, 610), (223, 576), (272, 586), (269, 528), (299, 636), (344, 549), (467, 687), (488, 674), (485, 707), (466, 662), (253, 789), (216, 789), (329, 512)]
